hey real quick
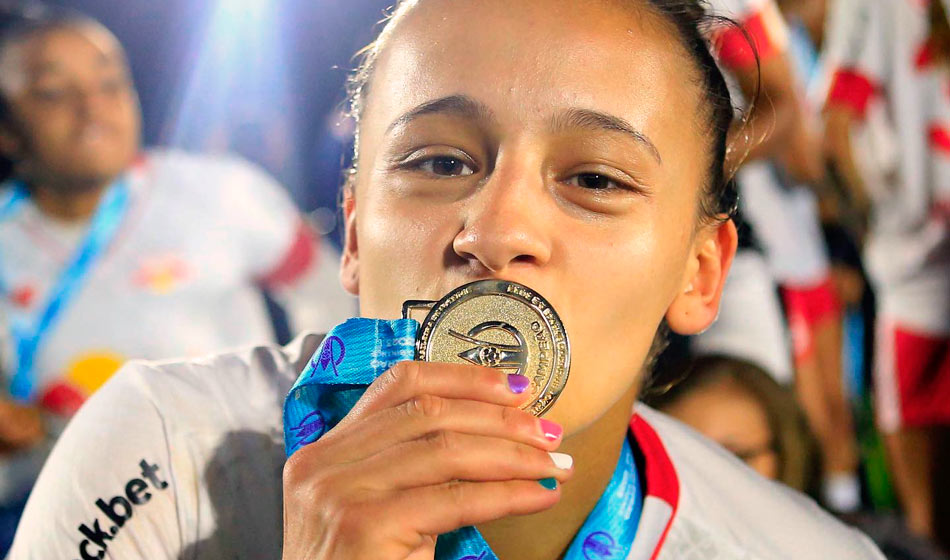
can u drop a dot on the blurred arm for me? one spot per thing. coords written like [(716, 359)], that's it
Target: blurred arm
[(307, 284), (777, 124)]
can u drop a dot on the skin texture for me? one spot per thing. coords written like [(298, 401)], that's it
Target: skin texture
[(728, 414), (75, 116), (493, 181)]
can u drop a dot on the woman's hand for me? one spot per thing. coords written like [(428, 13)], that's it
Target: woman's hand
[(429, 448)]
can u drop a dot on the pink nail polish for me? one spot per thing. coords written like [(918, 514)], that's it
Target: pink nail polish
[(551, 430)]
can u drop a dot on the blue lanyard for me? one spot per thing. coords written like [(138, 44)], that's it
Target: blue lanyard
[(358, 351), (103, 227), (15, 194)]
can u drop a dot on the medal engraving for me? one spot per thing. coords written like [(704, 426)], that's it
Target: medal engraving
[(494, 354), (499, 324)]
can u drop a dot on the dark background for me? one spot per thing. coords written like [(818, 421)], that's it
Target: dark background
[(310, 42)]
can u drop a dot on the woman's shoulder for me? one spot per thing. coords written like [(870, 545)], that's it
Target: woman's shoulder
[(725, 507), (168, 441), (236, 388)]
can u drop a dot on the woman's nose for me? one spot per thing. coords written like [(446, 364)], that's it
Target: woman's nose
[(508, 222)]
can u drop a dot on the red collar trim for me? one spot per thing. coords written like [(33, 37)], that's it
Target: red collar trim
[(661, 480)]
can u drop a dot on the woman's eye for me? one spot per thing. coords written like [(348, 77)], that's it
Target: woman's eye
[(445, 166), (594, 181)]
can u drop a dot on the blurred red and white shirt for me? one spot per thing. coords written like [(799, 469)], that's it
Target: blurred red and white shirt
[(887, 74), (785, 218), (181, 277)]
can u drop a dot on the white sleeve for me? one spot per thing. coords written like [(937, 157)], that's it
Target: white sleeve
[(759, 21), (286, 255), (109, 487), (858, 53), (315, 300), (262, 216)]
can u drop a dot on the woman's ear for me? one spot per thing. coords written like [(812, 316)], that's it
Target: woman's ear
[(696, 305), (350, 262)]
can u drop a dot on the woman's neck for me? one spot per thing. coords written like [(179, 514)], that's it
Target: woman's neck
[(547, 535), (69, 205)]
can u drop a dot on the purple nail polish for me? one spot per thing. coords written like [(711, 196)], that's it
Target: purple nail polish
[(518, 383)]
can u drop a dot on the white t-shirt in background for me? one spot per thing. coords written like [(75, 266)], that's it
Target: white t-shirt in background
[(182, 276)]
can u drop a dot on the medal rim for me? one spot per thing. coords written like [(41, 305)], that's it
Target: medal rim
[(485, 290)]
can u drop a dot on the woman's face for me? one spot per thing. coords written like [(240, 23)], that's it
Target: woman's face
[(559, 145), (75, 115)]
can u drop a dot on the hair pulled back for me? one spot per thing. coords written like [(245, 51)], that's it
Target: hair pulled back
[(694, 24)]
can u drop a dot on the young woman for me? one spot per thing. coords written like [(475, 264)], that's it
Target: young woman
[(576, 148), (108, 253)]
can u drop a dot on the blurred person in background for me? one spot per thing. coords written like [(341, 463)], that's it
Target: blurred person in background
[(741, 407), (776, 154), (888, 131), (750, 322), (109, 253)]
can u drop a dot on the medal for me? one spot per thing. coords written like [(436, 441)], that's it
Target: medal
[(498, 324)]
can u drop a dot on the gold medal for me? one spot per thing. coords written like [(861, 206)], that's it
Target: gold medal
[(499, 324)]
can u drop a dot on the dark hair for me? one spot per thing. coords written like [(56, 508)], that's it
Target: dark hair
[(940, 30), (694, 25), (20, 21), (792, 440)]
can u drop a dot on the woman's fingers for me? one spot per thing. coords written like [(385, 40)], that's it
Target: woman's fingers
[(429, 448), (434, 510), (446, 456), (408, 380), (427, 414)]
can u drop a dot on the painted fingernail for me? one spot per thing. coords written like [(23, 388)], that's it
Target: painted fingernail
[(518, 383), (549, 483), (562, 460), (551, 430)]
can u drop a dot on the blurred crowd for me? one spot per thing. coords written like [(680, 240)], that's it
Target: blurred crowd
[(829, 366)]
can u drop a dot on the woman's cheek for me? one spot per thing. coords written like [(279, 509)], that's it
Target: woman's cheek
[(401, 248)]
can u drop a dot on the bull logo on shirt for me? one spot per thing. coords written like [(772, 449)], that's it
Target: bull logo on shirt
[(488, 350)]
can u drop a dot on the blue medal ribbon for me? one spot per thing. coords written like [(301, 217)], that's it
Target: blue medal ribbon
[(358, 351), (102, 228)]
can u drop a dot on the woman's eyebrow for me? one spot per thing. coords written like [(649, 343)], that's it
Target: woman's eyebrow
[(595, 120), (456, 105)]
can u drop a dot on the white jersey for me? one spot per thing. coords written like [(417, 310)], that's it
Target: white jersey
[(182, 276), (785, 219), (886, 73), (190, 467), (750, 324)]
